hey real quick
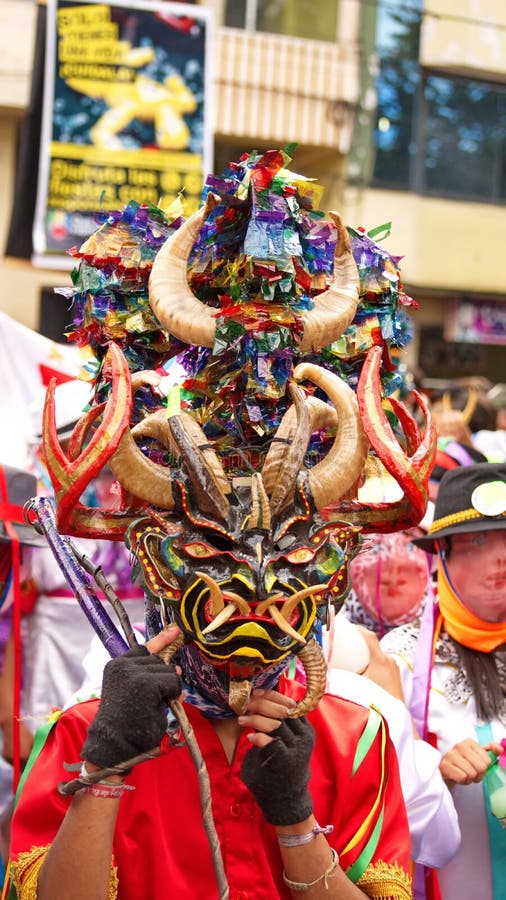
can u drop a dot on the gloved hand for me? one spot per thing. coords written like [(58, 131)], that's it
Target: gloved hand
[(132, 718), (278, 774)]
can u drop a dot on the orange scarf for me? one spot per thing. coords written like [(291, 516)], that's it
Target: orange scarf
[(462, 625)]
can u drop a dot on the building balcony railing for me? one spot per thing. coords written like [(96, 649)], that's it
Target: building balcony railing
[(273, 87)]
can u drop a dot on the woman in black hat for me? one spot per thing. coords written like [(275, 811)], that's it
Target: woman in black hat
[(453, 666)]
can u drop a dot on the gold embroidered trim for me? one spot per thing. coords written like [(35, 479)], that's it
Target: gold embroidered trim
[(386, 881), (26, 869), (25, 872), (466, 515)]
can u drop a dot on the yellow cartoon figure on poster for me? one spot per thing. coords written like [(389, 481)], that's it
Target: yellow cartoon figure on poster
[(163, 103)]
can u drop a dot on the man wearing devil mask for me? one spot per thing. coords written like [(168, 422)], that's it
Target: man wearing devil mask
[(237, 499)]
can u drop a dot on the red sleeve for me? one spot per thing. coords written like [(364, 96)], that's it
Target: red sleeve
[(360, 794), (41, 808)]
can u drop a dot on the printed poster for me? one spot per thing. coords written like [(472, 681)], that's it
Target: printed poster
[(125, 115)]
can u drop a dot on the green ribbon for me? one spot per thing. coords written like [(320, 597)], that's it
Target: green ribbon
[(360, 865), (366, 738), (381, 232)]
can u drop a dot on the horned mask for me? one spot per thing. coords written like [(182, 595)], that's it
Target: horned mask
[(238, 494)]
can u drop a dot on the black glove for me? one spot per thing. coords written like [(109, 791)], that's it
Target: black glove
[(132, 717), (278, 774)]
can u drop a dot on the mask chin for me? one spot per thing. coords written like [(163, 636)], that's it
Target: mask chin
[(217, 686)]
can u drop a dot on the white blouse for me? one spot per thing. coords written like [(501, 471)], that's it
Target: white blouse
[(452, 717), (433, 823)]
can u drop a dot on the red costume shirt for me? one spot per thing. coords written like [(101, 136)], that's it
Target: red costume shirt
[(160, 846)]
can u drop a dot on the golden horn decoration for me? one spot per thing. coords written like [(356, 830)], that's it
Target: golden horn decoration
[(469, 408), (137, 474), (472, 400), (313, 661), (284, 483), (215, 592), (284, 626), (321, 415), (290, 604), (260, 511), (156, 426), (446, 402), (170, 296), (335, 308), (238, 695), (340, 470), (140, 476), (201, 442), (226, 613), (207, 479)]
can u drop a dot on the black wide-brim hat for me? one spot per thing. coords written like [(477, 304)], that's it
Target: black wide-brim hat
[(470, 498), (16, 488)]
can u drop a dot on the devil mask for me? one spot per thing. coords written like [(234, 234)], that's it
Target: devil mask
[(237, 493)]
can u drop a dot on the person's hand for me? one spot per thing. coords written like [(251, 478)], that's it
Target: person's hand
[(276, 769), (467, 761), (136, 690), (382, 668)]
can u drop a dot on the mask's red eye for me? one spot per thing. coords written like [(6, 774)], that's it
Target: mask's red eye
[(300, 555), (198, 550)]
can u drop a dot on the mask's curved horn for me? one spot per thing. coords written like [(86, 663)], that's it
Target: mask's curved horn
[(210, 484), (315, 667), (321, 415), (335, 475), (71, 477), (156, 426), (410, 471), (141, 477), (170, 296), (335, 308), (260, 517), (467, 412), (282, 481)]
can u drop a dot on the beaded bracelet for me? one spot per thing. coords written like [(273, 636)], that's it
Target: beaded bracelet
[(303, 886), (296, 840)]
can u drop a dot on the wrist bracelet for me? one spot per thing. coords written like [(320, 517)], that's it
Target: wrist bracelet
[(303, 886), (296, 840), (105, 789)]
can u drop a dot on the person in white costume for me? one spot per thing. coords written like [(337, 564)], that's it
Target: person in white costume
[(360, 671), (457, 691)]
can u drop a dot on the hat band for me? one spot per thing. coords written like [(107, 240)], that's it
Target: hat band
[(465, 515)]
